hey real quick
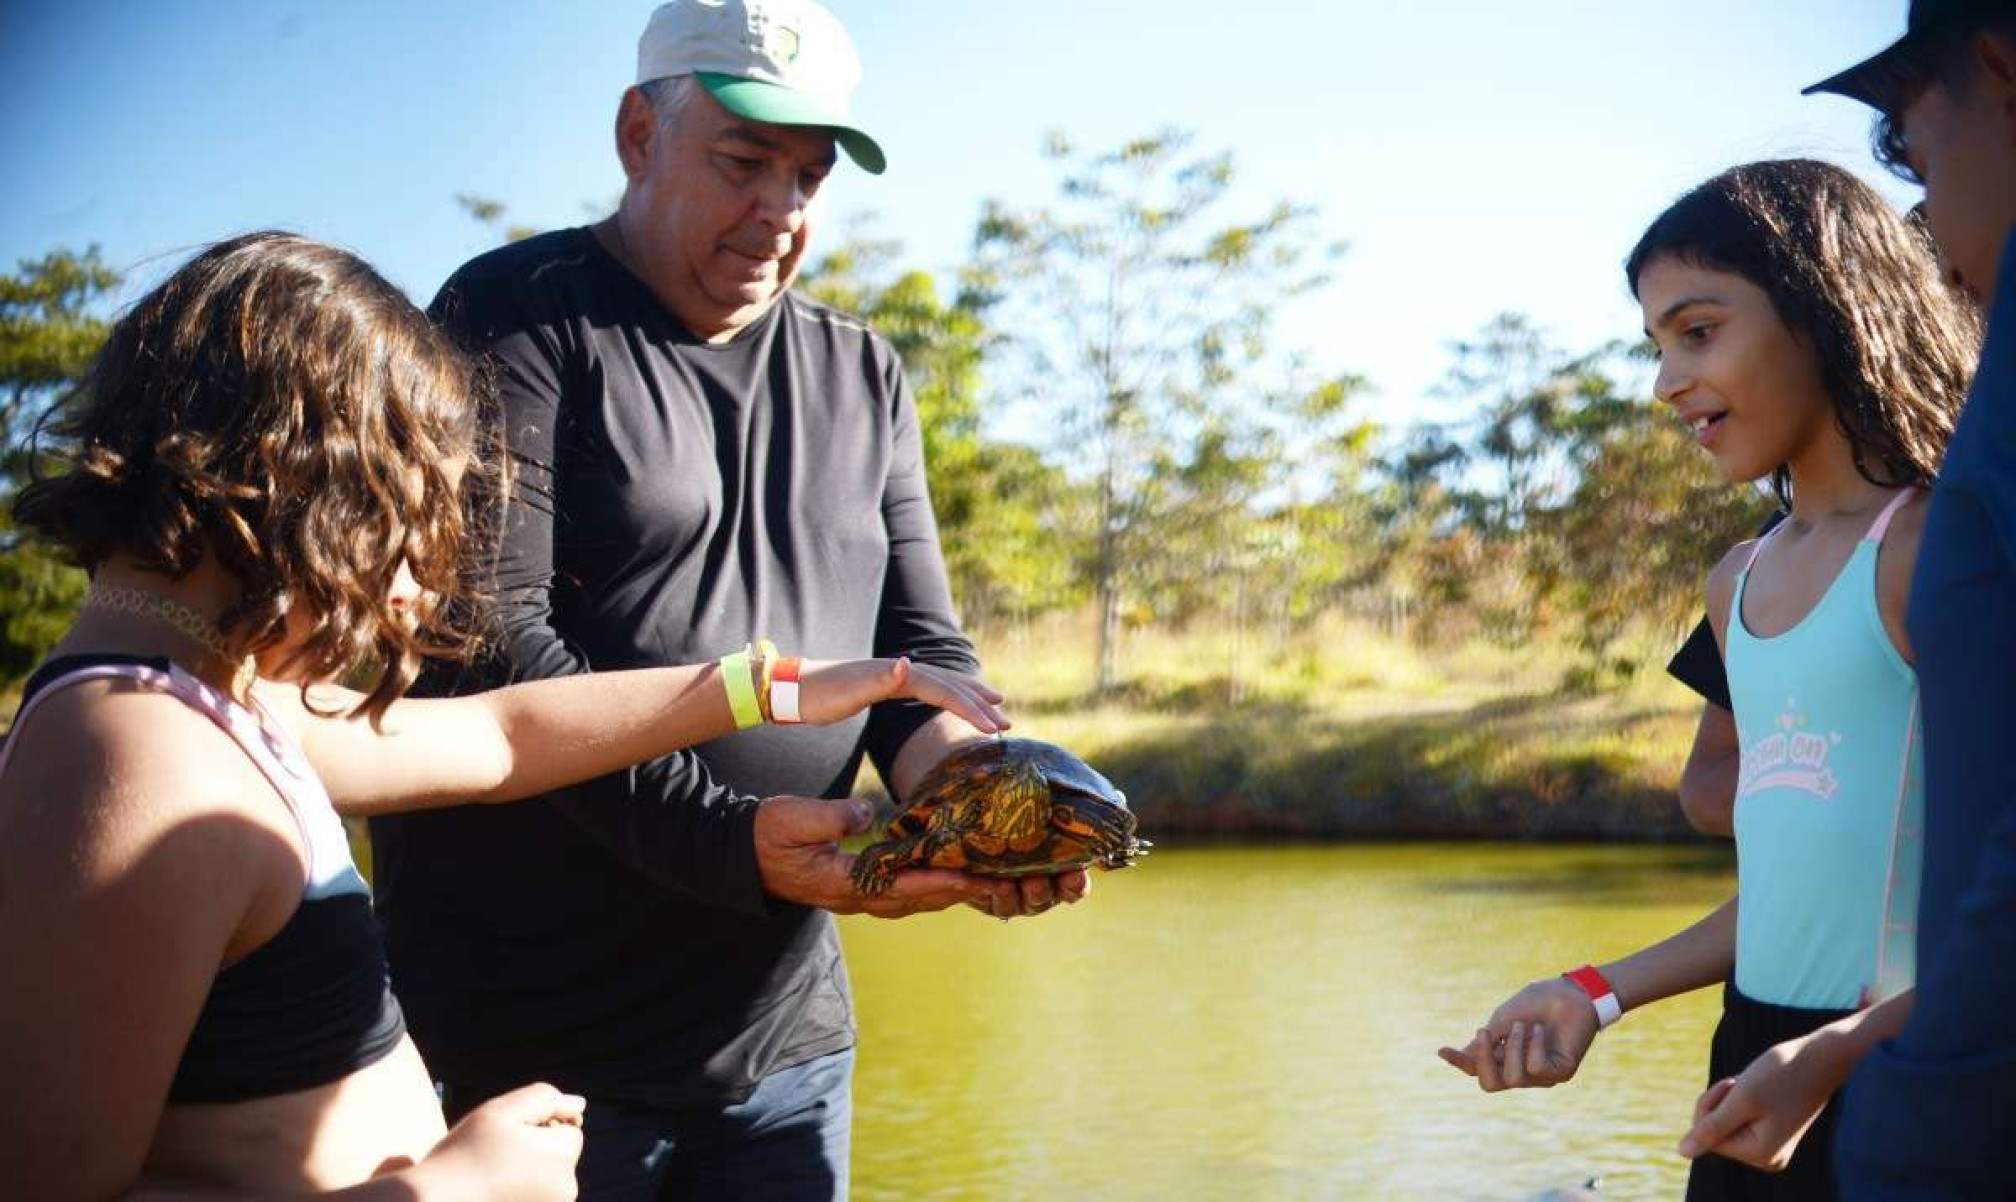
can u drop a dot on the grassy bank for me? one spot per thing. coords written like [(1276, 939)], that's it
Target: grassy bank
[(1338, 730)]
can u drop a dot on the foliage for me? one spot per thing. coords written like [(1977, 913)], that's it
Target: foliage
[(1646, 521), (39, 595), (1004, 515), (49, 330), (1566, 502)]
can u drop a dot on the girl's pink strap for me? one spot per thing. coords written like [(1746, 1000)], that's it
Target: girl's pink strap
[(193, 693), (149, 677), (1882, 522)]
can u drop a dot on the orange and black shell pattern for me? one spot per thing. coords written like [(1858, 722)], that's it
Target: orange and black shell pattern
[(1005, 807)]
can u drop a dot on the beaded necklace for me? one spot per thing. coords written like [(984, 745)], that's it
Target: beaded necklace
[(140, 603)]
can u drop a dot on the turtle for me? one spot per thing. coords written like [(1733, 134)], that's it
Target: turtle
[(1004, 807)]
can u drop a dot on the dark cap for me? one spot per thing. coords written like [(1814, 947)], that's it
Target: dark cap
[(1874, 80)]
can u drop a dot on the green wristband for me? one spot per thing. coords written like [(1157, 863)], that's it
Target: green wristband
[(741, 690)]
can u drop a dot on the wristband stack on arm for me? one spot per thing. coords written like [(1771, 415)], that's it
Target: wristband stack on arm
[(762, 685), (1601, 995)]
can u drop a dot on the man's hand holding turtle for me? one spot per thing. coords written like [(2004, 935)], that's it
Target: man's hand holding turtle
[(799, 859)]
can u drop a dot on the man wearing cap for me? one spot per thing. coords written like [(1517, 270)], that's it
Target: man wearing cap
[(703, 458), (1930, 1110)]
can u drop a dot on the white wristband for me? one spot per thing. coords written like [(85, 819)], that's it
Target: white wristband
[(784, 701)]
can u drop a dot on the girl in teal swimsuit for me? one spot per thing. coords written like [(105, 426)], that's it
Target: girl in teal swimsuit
[(1805, 336)]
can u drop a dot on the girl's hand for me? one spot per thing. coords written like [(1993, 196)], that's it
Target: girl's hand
[(1759, 1116), (1536, 1039), (830, 690), (518, 1147)]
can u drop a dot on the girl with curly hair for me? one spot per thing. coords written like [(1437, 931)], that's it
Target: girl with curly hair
[(269, 474)]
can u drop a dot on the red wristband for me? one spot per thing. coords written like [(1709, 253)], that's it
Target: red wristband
[(1593, 983)]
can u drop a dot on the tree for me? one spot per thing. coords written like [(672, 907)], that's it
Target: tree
[(1647, 519), (1138, 317), (1001, 509), (1266, 522), (1568, 498), (48, 335), (1322, 532), (1523, 388)]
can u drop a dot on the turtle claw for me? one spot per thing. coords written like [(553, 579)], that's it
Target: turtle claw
[(1125, 856), (874, 872)]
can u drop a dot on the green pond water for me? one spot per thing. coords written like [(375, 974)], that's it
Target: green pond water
[(1261, 1022)]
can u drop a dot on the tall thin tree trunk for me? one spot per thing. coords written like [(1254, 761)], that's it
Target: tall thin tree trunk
[(1108, 676), (1109, 638), (1235, 684)]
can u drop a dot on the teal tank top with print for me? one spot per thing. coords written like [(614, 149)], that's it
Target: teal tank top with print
[(1830, 798)]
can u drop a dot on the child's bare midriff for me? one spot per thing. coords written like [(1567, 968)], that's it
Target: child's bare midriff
[(380, 1119)]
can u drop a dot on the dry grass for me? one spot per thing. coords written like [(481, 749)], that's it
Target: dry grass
[(1338, 729)]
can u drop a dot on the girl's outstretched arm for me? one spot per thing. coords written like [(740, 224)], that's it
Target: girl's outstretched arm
[(1539, 1036), (529, 738)]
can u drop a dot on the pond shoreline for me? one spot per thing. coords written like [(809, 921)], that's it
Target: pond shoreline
[(1598, 815), (1539, 823), (1654, 818)]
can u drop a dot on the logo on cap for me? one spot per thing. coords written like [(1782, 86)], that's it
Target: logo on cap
[(770, 37), (782, 44)]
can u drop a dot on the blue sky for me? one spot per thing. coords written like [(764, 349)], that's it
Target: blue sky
[(1479, 155)]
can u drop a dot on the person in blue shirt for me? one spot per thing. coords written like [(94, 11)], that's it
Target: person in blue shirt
[(1930, 1107)]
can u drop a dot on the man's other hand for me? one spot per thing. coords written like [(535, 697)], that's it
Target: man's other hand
[(798, 855)]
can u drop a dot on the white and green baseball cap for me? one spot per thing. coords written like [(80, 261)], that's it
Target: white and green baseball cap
[(784, 62)]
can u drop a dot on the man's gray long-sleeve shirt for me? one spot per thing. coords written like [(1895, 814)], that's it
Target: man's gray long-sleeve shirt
[(674, 500)]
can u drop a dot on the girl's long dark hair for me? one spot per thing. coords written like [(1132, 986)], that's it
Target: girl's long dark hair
[(1851, 278)]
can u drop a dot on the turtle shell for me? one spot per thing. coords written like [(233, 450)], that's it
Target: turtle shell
[(1005, 807)]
